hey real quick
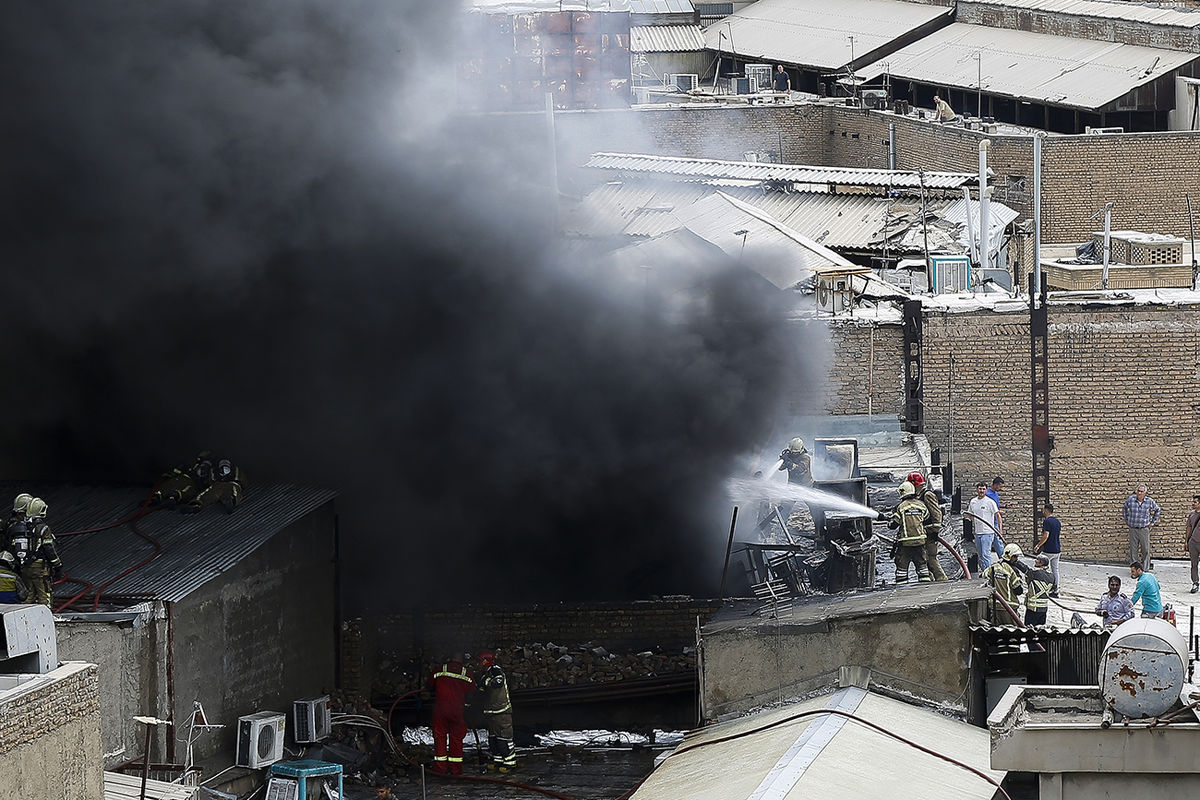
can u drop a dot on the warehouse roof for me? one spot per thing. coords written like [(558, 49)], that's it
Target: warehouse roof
[(1154, 15), (662, 6), (665, 39), (195, 547), (1058, 70), (817, 34), (798, 752), (706, 168)]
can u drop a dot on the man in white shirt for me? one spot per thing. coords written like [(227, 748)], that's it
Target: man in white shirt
[(982, 511)]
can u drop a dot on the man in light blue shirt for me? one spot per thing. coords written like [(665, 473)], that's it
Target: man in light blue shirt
[(1147, 590)]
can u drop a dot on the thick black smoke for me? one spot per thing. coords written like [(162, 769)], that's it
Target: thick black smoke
[(235, 226)]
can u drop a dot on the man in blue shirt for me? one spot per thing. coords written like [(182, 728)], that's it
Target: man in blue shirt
[(1140, 513), (1049, 544), (994, 493), (1147, 590)]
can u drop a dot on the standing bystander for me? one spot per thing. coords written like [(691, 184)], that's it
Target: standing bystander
[(1192, 540), (1141, 513), (982, 511), (1147, 590), (1050, 543), (783, 81), (994, 493)]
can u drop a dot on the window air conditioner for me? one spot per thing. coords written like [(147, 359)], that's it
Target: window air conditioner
[(310, 719), (260, 739), (683, 81)]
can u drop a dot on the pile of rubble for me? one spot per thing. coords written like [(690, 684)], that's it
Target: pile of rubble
[(540, 666)]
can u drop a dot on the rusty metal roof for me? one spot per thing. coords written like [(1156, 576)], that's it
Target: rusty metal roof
[(195, 547), (702, 168), (665, 39)]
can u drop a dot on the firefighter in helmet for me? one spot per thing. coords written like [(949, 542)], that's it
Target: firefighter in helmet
[(42, 566), (12, 588), (17, 520), (933, 524), (181, 485), (497, 712), (797, 461), (909, 521), (1005, 578), (224, 487)]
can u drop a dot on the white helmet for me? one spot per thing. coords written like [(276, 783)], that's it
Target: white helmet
[(21, 503), (1012, 551), (796, 445), (907, 490)]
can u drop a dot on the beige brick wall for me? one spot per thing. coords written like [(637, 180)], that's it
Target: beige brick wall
[(866, 373), (50, 738)]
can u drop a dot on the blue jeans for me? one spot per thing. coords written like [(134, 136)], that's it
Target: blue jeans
[(997, 546), (984, 543)]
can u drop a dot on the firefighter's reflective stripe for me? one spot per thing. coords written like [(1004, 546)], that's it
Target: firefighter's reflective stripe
[(443, 758), (506, 708), (910, 518), (454, 759), (1039, 593), (461, 677)]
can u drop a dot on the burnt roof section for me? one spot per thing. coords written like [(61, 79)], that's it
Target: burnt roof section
[(195, 547)]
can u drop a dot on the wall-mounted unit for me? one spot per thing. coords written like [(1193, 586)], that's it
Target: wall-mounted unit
[(260, 739), (310, 719), (683, 81), (761, 73), (745, 84), (27, 640), (1090, 129)]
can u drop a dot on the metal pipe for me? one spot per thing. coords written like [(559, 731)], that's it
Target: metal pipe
[(1106, 719), (553, 139), (892, 146), (971, 244), (985, 243), (1192, 233), (1037, 208), (170, 682), (1107, 244), (728, 551), (146, 763)]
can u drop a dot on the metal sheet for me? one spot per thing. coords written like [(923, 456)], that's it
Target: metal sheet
[(1058, 70), (195, 547), (661, 7), (1174, 17), (759, 171), (806, 33), (666, 39)]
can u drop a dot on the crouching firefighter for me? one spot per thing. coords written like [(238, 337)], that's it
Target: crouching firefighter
[(451, 686), (909, 519), (497, 712)]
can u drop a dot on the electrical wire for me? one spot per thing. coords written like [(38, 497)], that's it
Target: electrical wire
[(859, 720)]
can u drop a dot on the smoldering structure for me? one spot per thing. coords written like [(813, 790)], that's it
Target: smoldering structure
[(237, 227)]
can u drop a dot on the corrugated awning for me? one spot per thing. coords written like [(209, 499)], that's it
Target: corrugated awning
[(707, 168), (665, 39), (1036, 67), (813, 34)]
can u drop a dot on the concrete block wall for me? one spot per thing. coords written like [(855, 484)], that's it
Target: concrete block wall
[(50, 737)]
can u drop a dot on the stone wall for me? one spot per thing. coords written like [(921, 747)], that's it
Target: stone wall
[(50, 737), (866, 376)]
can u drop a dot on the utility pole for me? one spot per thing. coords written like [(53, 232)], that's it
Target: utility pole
[(979, 84), (1039, 378)]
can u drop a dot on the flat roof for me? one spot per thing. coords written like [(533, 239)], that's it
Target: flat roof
[(817, 34), (1037, 67)]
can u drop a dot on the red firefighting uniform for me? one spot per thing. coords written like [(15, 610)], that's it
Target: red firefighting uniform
[(451, 686)]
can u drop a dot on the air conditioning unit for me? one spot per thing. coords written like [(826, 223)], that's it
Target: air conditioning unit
[(283, 789), (761, 73), (683, 81), (260, 739), (1090, 129), (744, 85), (310, 719)]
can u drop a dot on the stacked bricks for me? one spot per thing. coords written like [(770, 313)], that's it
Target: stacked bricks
[(44, 709)]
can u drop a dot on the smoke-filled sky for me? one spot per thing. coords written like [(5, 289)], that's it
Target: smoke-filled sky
[(234, 226)]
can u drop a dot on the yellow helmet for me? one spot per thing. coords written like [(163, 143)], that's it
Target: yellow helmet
[(37, 508), (21, 503), (907, 490)]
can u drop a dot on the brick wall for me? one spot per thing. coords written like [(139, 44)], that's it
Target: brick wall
[(1098, 29), (50, 737), (432, 634), (1145, 174), (866, 373)]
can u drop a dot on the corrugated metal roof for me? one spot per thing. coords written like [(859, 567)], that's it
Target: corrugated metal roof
[(768, 754), (195, 547), (782, 256), (1175, 17), (813, 34), (759, 171), (129, 787), (537, 6), (838, 221), (666, 39), (1077, 73), (662, 6)]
